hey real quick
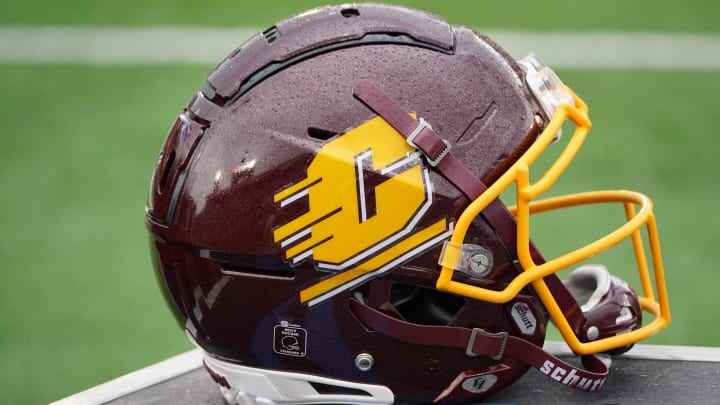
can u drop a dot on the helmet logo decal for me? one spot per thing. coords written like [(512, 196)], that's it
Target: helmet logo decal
[(479, 384), (367, 191), (524, 318)]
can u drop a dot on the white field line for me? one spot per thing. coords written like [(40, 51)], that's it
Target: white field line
[(176, 45)]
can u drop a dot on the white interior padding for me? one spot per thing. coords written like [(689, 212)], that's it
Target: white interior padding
[(588, 284)]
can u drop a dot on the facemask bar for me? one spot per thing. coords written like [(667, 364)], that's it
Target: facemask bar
[(454, 254), (636, 220)]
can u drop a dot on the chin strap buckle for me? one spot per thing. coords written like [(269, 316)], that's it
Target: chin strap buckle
[(431, 147), (488, 344)]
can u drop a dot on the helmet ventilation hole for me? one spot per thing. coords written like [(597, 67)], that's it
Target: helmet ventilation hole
[(245, 271), (321, 134), (328, 389), (271, 34), (350, 12), (166, 172)]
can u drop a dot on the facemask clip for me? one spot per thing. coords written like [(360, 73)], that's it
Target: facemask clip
[(473, 260)]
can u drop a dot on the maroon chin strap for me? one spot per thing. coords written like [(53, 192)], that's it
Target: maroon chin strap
[(478, 342), (420, 135), (437, 152)]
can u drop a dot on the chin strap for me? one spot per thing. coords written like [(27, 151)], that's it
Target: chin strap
[(478, 342), (420, 135)]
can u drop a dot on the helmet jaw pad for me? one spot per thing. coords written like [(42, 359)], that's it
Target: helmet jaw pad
[(610, 306)]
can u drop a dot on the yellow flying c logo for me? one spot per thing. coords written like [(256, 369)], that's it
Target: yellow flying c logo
[(367, 191)]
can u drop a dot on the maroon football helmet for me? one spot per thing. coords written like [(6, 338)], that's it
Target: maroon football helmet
[(326, 224)]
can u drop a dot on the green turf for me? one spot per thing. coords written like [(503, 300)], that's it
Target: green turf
[(80, 303), (640, 15)]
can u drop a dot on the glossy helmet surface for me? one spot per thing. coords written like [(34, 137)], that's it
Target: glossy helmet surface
[(326, 222)]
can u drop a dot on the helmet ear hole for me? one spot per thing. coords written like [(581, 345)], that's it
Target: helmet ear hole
[(425, 306)]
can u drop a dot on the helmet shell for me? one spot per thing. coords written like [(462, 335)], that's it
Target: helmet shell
[(262, 119)]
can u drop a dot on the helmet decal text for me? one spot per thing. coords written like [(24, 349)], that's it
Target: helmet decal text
[(367, 191)]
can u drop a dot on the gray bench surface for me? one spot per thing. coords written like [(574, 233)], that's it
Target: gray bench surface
[(648, 374)]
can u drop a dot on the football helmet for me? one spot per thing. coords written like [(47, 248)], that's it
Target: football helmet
[(326, 221)]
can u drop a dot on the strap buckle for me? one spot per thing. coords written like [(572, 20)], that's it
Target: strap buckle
[(477, 331), (422, 124)]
